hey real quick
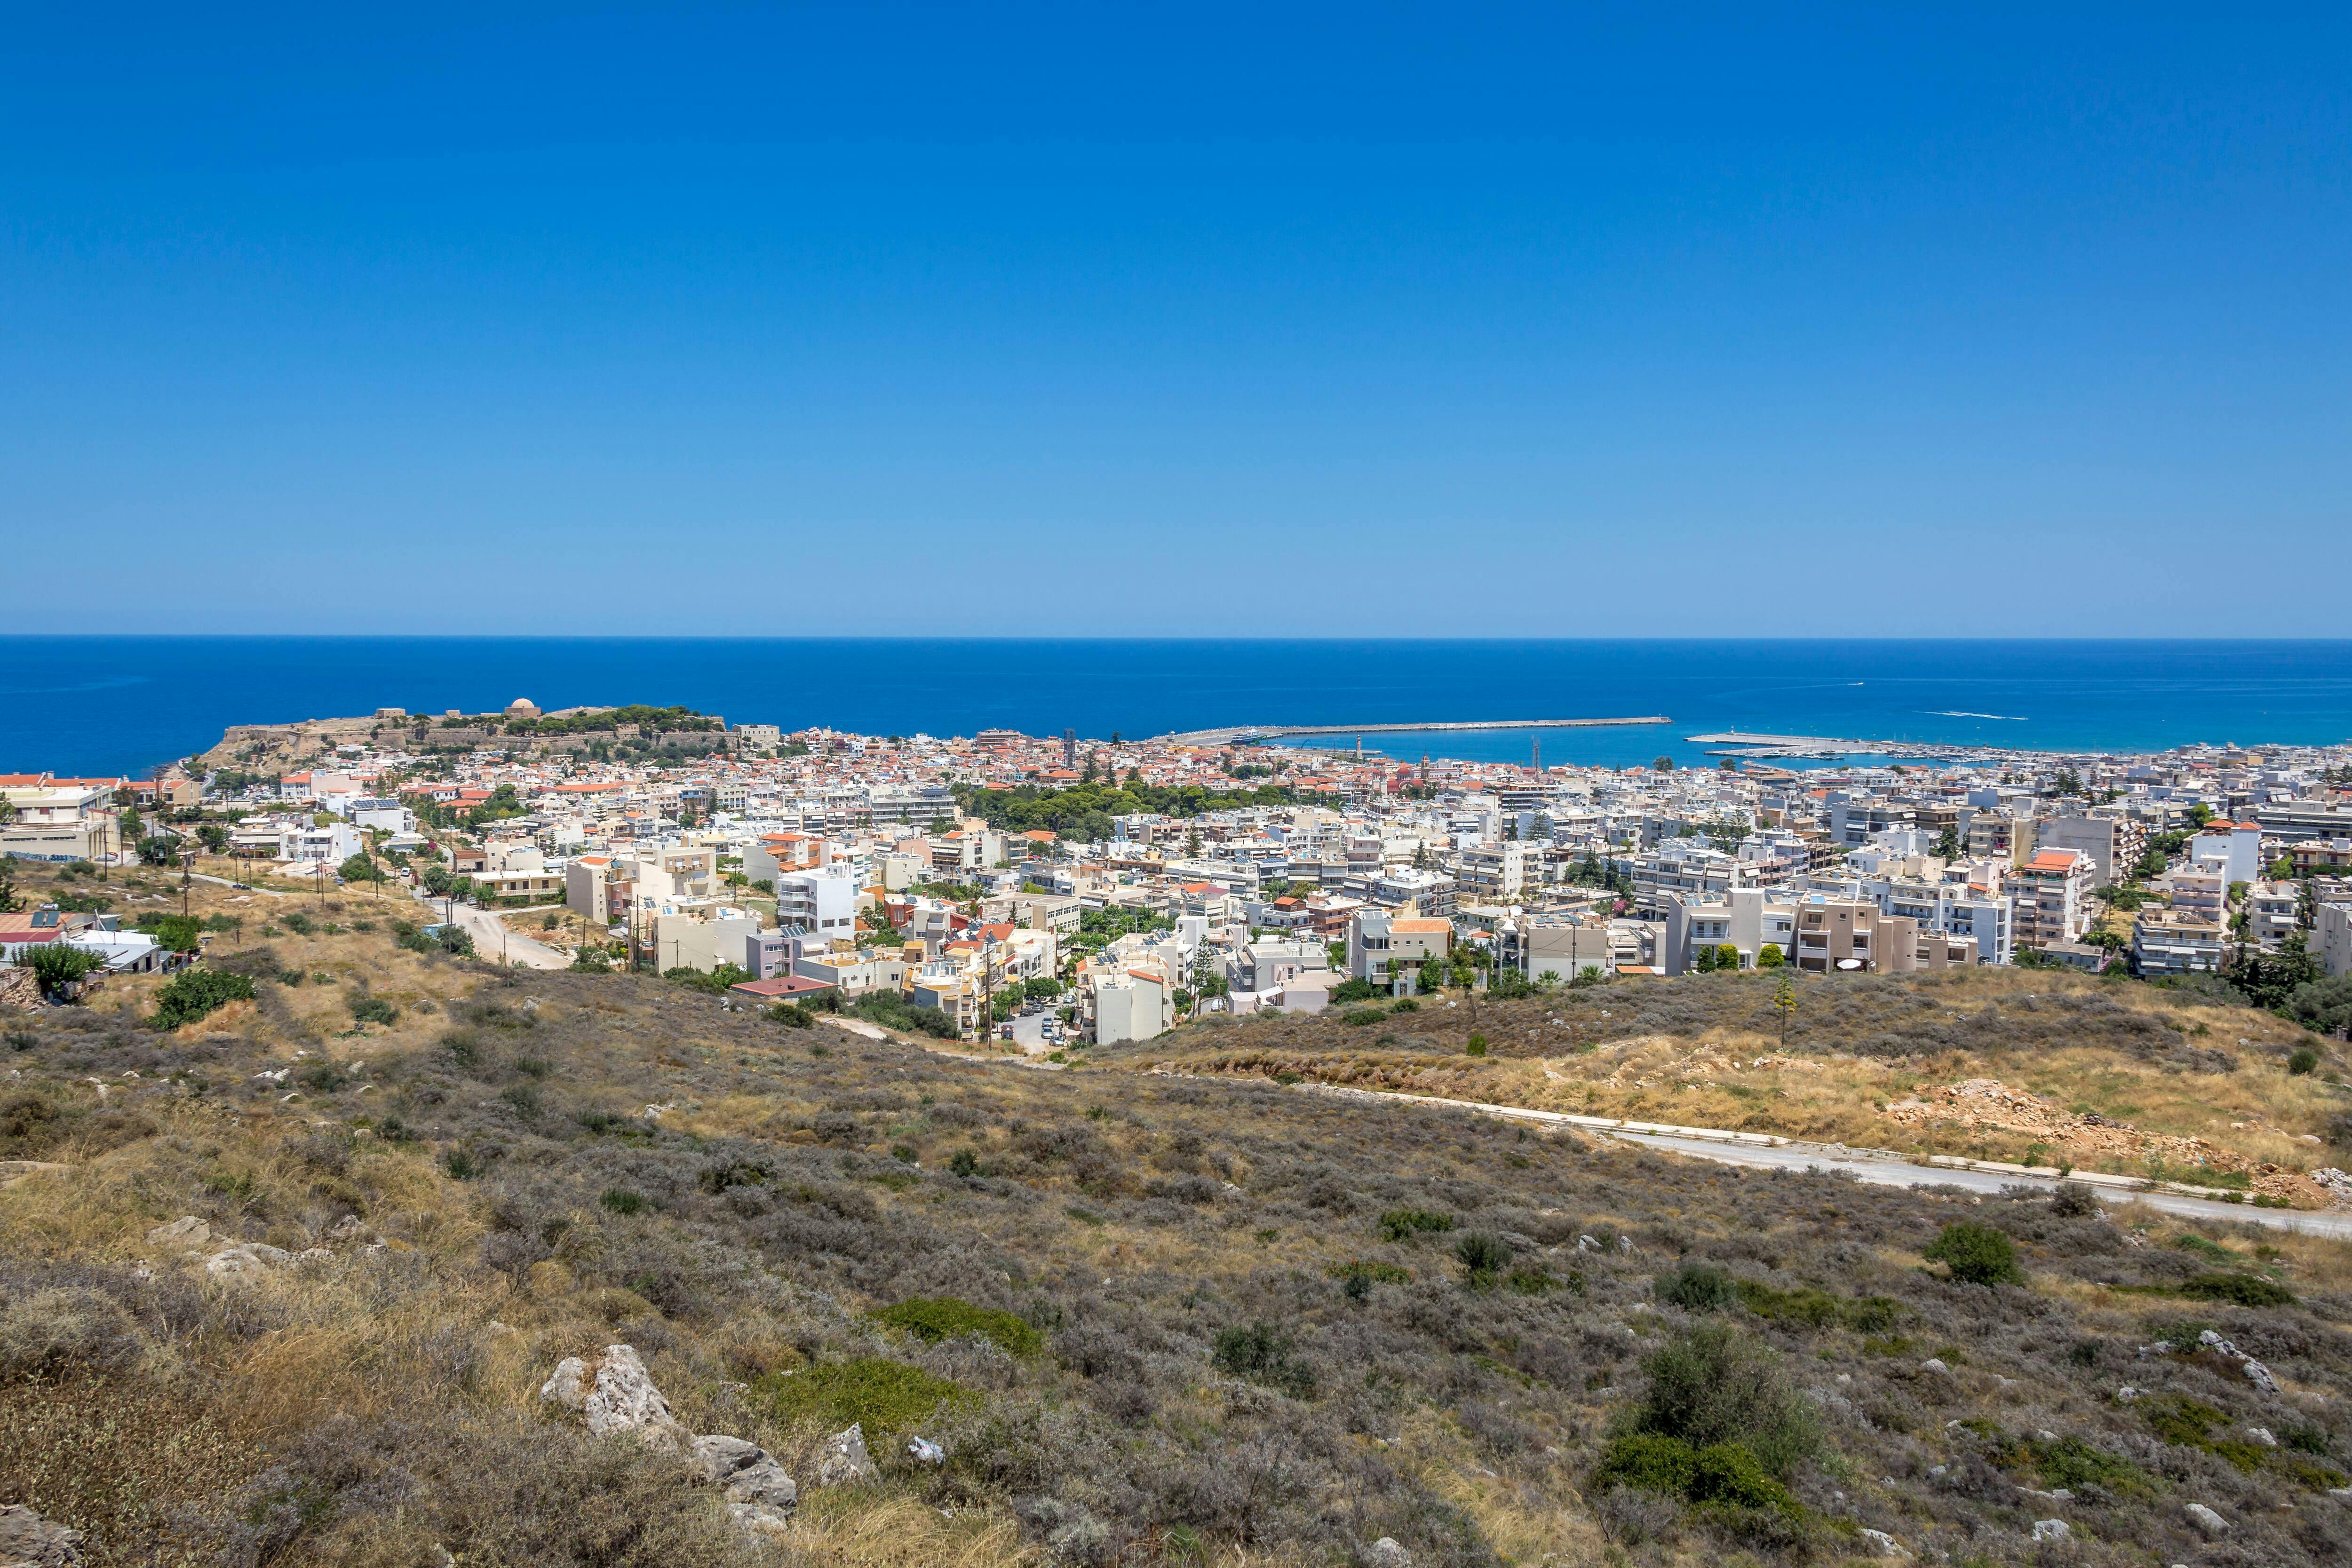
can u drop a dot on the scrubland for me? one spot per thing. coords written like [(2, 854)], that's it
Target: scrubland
[(2129, 1077), (1149, 1319)]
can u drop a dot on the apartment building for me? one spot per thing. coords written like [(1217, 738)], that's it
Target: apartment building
[(2176, 942), (1377, 940), (2321, 857), (2052, 894), (2331, 938), (2273, 913), (1493, 874), (2115, 843), (1837, 935), (822, 903), (1131, 1004)]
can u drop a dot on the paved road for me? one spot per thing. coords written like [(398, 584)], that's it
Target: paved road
[(492, 940), (1892, 1173), (1878, 1167)]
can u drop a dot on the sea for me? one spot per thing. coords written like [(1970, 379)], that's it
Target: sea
[(112, 704)]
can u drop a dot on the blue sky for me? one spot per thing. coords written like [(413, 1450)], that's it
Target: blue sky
[(1443, 320)]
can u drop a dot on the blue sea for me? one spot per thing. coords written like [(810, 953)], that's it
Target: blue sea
[(127, 704)]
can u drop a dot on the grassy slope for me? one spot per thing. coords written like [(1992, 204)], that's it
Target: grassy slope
[(366, 1409), (1705, 1052)]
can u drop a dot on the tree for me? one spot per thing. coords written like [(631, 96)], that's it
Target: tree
[(1664, 765), (214, 837), (1768, 956), (2271, 980), (1948, 844), (1976, 1254), (1726, 957), (1702, 960), (2324, 1006), (157, 848), (2199, 814), (56, 966)]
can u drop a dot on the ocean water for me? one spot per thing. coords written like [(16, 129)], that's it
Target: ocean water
[(126, 705)]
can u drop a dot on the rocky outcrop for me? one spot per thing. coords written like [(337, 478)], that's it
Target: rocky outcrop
[(614, 1395), (745, 1473), (29, 1540), (842, 1462)]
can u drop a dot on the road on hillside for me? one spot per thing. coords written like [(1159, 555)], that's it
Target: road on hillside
[(493, 941), (1771, 1152)]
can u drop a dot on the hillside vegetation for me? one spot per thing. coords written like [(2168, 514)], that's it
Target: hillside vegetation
[(2034, 1067), (1146, 1319)]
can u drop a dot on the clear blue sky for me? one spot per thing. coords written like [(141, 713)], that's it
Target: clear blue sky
[(1450, 320)]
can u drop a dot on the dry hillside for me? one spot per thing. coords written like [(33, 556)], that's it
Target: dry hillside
[(1146, 1319), (2035, 1067)]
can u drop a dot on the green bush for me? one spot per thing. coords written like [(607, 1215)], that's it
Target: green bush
[(175, 933), (56, 966), (884, 1397), (945, 1317), (1721, 1475), (2240, 1290), (1360, 1017), (1476, 1046), (1713, 1385), (2303, 1061), (194, 993), (1696, 1288), (1262, 1354), (1483, 1256), (372, 1009), (621, 1200), (1976, 1254), (1404, 1224)]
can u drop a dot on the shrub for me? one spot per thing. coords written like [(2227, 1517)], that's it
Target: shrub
[(52, 1331), (1483, 1256), (964, 1163), (372, 1009), (883, 1395), (1976, 1254), (194, 993), (1713, 1385), (1696, 1288), (621, 1200), (1262, 1354), (1723, 1476), (792, 1015), (174, 933), (945, 1317), (2240, 1290), (2304, 1060), (1406, 1006), (1477, 1045), (1404, 1224), (1360, 1017), (56, 966), (2074, 1200), (1369, 1274)]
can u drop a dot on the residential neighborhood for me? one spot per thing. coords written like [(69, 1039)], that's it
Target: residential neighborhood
[(1044, 893)]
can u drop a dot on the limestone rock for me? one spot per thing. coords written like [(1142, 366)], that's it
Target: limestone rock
[(29, 1540), (187, 1232), (2263, 1435), (1386, 1553), (235, 1262), (842, 1462), (1936, 1366), (2205, 1519), (2051, 1530), (1881, 1544), (615, 1394), (758, 1520), (745, 1472)]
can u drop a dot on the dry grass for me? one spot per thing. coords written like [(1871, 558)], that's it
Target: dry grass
[(2203, 1070), (367, 1408)]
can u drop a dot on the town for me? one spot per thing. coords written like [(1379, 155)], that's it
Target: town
[(1043, 895)]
